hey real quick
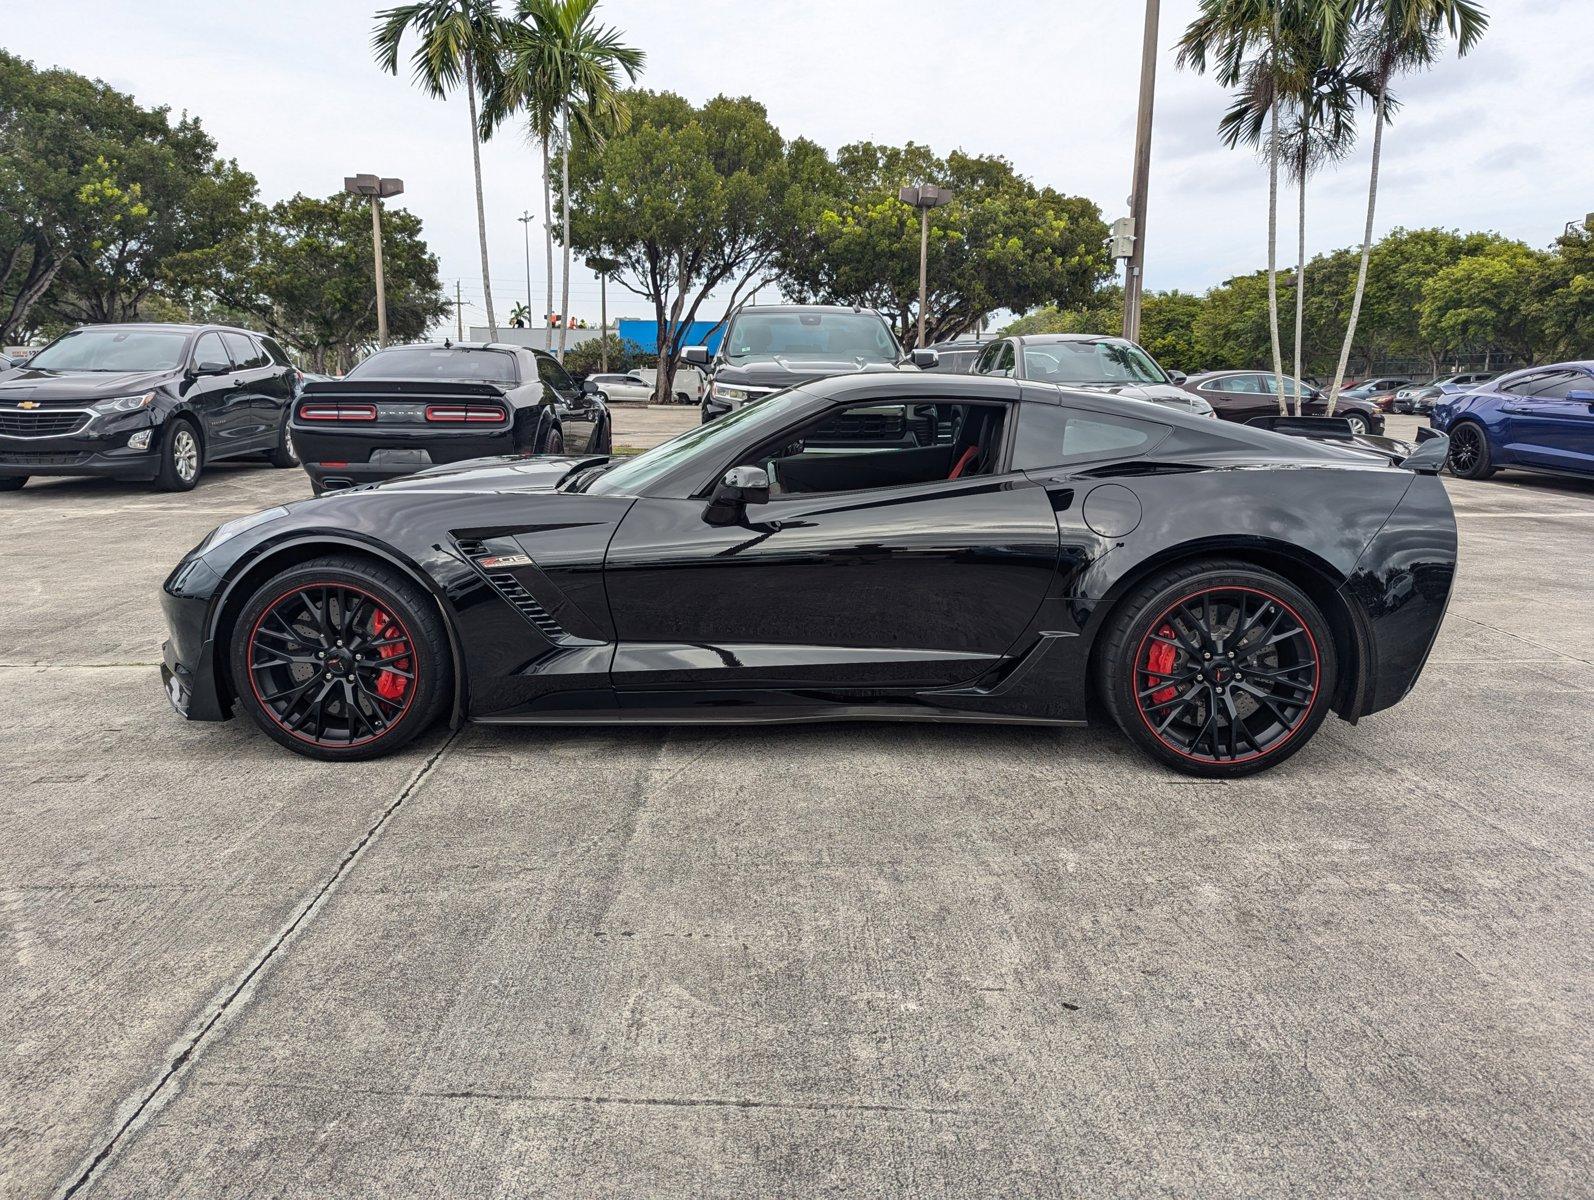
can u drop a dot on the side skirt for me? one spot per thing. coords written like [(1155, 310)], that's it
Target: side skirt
[(868, 712)]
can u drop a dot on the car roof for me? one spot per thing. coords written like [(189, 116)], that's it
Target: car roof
[(179, 326), (1053, 338), (802, 308)]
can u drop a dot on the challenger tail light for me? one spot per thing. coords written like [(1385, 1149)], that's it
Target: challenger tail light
[(336, 411), (464, 414)]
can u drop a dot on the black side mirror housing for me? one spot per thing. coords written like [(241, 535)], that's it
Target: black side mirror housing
[(925, 358), (211, 367), (696, 355), (737, 488), (588, 388), (1178, 377)]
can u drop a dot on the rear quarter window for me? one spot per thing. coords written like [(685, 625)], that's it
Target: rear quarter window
[(1051, 435)]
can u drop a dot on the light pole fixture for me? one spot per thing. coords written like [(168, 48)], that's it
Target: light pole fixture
[(378, 189), (603, 268), (924, 197), (525, 220)]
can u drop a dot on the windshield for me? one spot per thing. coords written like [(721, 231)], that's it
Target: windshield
[(455, 364), (1103, 360), (114, 350), (811, 335), (635, 475)]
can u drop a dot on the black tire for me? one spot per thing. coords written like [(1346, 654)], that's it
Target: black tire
[(12, 483), (682, 398), (553, 442), (1469, 452), (340, 708), (1240, 724), (181, 456), (602, 397), (284, 455)]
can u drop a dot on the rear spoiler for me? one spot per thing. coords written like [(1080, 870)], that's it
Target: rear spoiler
[(1433, 447), (403, 389)]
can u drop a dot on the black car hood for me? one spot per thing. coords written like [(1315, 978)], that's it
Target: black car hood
[(51, 388), (779, 370)]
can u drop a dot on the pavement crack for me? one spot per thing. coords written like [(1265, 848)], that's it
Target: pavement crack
[(190, 1050)]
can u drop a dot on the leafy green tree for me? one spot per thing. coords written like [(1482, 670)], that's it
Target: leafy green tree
[(1485, 301), (457, 45), (307, 277), (1396, 36), (561, 66), (689, 200), (1563, 294), (1001, 243), (1234, 329), (102, 201), (587, 357)]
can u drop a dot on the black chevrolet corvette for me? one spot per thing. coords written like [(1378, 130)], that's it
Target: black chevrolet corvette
[(933, 547)]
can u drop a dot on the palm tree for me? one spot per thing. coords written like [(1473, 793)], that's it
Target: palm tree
[(1397, 36), (1225, 33), (564, 69), (457, 43)]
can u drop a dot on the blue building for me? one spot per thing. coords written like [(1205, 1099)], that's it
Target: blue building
[(645, 333)]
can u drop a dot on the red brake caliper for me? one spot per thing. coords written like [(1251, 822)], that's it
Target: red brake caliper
[(390, 686), (1159, 664)]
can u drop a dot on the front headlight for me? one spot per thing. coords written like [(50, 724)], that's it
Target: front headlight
[(723, 391), (233, 528), (122, 404)]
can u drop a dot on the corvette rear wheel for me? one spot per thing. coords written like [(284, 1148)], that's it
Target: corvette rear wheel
[(1218, 668), (1469, 452), (341, 659)]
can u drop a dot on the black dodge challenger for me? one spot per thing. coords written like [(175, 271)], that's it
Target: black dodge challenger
[(930, 546), (409, 407)]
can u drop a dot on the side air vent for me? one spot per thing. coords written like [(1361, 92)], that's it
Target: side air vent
[(507, 586)]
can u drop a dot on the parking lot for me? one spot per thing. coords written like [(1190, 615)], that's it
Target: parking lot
[(879, 959)]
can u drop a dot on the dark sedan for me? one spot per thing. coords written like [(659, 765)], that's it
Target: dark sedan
[(410, 407), (153, 402), (878, 546), (1244, 395)]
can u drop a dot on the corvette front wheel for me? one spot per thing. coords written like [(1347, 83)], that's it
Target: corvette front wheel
[(1218, 668), (341, 659)]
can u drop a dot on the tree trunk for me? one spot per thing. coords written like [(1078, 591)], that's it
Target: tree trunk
[(1273, 234), (1367, 243), (564, 224), (1300, 282), (547, 241), (481, 206)]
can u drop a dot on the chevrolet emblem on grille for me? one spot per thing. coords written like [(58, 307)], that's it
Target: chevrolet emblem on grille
[(27, 404)]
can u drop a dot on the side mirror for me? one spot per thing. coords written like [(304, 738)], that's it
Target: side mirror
[(696, 355), (925, 358), (1581, 396), (1178, 377), (210, 366), (588, 388), (739, 487)]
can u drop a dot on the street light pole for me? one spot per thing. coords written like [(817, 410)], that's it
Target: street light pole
[(924, 197), (525, 220), (376, 189), (1134, 271)]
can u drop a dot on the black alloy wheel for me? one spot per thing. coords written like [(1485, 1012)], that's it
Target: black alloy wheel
[(1469, 452), (554, 443), (1219, 669), (341, 659)]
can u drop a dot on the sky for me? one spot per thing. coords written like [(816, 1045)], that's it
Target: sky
[(1498, 140)]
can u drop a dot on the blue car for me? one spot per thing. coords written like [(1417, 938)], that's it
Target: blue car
[(1541, 419)]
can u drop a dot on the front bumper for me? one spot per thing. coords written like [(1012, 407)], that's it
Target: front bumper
[(189, 671), (97, 453)]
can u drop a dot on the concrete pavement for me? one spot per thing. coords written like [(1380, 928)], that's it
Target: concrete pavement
[(879, 960)]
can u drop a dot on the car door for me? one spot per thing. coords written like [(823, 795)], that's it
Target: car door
[(1549, 421), (258, 409), (277, 387), (216, 396), (634, 388), (925, 578), (575, 409)]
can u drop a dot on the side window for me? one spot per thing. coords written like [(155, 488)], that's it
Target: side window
[(208, 349), (553, 376), (982, 365), (1530, 385), (866, 446), (1050, 435), (1004, 360), (240, 349), (1558, 386), (275, 352)]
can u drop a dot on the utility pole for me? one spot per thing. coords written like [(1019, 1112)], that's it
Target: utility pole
[(1134, 273), (525, 220), (603, 267), (377, 189), (459, 315), (924, 197)]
